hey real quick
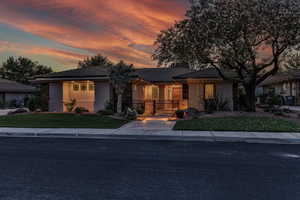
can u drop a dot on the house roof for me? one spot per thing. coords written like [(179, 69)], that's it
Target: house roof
[(160, 74), (95, 73), (147, 74), (209, 73), (282, 77), (15, 87), (98, 71)]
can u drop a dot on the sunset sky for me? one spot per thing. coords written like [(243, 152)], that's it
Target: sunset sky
[(59, 33)]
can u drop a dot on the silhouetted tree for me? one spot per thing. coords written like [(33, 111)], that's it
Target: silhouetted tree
[(246, 37), (292, 62), (97, 60), (22, 69), (120, 78)]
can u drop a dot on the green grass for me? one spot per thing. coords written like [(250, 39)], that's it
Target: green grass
[(247, 124), (60, 121)]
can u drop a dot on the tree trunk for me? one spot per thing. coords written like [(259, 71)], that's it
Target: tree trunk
[(251, 98), (119, 104)]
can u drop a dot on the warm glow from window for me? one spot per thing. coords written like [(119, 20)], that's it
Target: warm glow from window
[(209, 91)]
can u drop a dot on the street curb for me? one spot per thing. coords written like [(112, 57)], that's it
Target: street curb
[(152, 138)]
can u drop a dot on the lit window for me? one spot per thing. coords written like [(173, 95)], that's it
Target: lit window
[(209, 91), (155, 93), (91, 87), (76, 87), (83, 87)]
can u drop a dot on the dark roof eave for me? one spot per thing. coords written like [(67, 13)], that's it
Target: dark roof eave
[(46, 80), (18, 91)]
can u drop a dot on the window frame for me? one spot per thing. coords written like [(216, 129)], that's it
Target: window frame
[(76, 87), (214, 91)]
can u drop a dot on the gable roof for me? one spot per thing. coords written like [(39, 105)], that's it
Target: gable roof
[(160, 74), (15, 87), (87, 73), (95, 73), (78, 73), (282, 77), (209, 73)]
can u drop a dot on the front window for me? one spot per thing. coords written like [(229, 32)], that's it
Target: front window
[(91, 87), (83, 87), (209, 91), (76, 87), (155, 93)]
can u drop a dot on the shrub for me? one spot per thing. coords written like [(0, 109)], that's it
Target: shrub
[(210, 106), (15, 103), (217, 104), (278, 113), (263, 98), (3, 104), (18, 111), (32, 103), (70, 105), (192, 113), (80, 110), (286, 110), (140, 110), (131, 114), (105, 112), (109, 105), (36, 102), (179, 114), (274, 100)]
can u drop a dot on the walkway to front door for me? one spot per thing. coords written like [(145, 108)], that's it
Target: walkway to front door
[(150, 123)]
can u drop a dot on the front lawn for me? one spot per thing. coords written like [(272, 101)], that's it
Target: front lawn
[(60, 121), (241, 123)]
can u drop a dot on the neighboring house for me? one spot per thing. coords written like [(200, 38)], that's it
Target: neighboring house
[(285, 84), (11, 90), (158, 90)]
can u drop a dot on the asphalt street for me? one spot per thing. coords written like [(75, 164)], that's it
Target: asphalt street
[(67, 169)]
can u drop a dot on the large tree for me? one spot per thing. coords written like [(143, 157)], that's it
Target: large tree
[(22, 69), (247, 37), (292, 62), (120, 77), (97, 60)]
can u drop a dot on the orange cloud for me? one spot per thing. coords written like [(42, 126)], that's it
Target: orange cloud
[(119, 29)]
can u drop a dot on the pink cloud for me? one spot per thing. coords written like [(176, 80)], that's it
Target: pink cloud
[(120, 29)]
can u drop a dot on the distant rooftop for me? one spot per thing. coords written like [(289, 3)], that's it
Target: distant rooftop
[(15, 87), (282, 77)]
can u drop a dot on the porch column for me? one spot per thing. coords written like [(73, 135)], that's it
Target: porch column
[(56, 97), (161, 92), (102, 95), (161, 105), (196, 96)]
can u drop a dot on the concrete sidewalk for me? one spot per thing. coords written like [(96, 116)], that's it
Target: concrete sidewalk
[(140, 134)]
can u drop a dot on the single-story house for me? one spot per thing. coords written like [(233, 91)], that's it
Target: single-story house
[(286, 84), (11, 90), (158, 90)]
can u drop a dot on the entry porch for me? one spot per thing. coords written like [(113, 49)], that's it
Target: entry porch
[(160, 98)]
